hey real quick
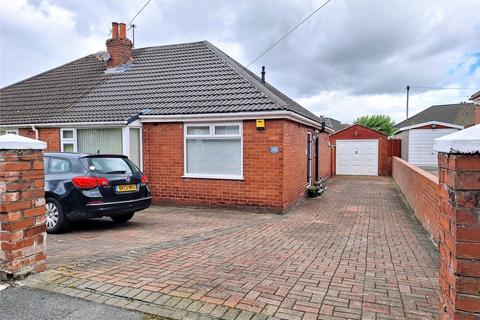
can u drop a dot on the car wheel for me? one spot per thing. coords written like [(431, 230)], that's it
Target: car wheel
[(123, 217), (55, 218)]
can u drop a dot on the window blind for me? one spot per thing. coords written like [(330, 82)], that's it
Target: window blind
[(100, 140)]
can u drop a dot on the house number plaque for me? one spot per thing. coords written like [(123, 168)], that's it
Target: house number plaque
[(274, 149)]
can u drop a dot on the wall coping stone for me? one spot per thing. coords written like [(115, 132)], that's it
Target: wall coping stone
[(463, 141), (16, 142)]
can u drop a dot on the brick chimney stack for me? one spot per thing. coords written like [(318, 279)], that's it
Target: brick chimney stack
[(119, 47)]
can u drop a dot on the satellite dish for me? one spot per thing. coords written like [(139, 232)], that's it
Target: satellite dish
[(102, 56)]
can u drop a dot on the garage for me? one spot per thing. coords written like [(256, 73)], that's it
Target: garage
[(361, 151), (420, 146), (357, 157)]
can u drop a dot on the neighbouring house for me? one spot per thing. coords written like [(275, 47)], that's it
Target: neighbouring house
[(335, 124), (360, 150), (204, 129), (419, 131)]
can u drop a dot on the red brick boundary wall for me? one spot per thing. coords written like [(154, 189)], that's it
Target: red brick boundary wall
[(460, 242), (22, 208), (421, 190)]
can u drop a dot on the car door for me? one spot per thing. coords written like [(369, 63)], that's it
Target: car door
[(57, 171)]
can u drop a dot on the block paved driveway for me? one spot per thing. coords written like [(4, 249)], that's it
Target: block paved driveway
[(355, 252)]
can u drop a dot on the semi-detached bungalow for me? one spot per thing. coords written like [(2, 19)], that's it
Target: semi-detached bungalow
[(204, 129)]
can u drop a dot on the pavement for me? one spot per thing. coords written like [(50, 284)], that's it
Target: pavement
[(356, 252), (34, 304)]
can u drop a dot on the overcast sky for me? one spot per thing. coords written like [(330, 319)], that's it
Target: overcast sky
[(354, 57)]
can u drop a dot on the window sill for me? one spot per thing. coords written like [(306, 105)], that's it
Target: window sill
[(213, 177)]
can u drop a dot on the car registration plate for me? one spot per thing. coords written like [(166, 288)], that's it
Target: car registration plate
[(126, 187)]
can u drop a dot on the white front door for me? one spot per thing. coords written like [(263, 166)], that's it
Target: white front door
[(357, 157)]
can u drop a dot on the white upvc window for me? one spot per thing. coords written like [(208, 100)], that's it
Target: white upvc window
[(213, 150), (126, 140), (8, 131), (68, 140)]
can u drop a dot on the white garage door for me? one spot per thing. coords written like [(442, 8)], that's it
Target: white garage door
[(357, 157), (420, 146)]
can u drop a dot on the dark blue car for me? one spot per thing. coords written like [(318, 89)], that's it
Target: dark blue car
[(84, 186)]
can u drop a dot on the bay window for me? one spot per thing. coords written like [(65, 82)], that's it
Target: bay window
[(214, 151)]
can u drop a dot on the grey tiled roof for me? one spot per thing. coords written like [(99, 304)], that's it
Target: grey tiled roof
[(190, 78), (462, 114), (335, 124), (476, 95)]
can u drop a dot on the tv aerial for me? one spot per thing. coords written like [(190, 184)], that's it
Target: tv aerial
[(102, 56)]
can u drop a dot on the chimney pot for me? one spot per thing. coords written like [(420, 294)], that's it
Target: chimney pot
[(114, 30), (123, 30)]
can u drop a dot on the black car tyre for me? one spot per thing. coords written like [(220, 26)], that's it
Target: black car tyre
[(55, 218), (123, 218)]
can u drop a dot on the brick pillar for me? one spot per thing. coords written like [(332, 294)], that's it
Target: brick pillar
[(459, 163), (22, 207)]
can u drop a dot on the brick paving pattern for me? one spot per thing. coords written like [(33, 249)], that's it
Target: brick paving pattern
[(354, 253), (93, 239)]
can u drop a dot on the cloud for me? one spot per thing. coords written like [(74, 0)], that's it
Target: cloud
[(341, 105), (38, 37), (351, 58)]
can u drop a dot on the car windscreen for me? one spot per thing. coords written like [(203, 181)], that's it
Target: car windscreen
[(113, 165)]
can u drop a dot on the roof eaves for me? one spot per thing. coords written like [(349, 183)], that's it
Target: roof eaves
[(359, 125), (427, 123), (475, 96)]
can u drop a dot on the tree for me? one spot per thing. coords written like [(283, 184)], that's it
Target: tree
[(379, 122)]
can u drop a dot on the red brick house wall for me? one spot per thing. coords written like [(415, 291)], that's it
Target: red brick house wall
[(295, 162), (360, 132), (324, 156), (272, 182), (261, 188), (421, 190), (49, 135)]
